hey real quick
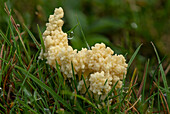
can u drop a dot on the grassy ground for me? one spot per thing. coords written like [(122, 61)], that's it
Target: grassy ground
[(29, 85)]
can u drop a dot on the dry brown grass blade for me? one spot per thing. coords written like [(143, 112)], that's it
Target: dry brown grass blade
[(19, 16), (30, 63), (162, 103), (13, 21), (134, 83), (6, 77), (1, 55), (117, 98), (23, 60), (152, 89), (16, 28), (163, 98), (8, 73), (167, 70), (133, 105), (5, 82), (16, 37), (13, 59), (141, 85), (8, 97), (163, 112), (131, 83), (135, 79)]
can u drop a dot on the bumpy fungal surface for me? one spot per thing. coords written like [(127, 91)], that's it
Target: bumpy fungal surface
[(101, 69)]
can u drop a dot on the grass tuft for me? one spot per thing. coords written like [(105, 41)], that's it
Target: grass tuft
[(29, 85)]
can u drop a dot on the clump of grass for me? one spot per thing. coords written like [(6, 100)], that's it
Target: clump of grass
[(29, 85)]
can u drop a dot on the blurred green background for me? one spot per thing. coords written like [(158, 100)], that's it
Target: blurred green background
[(121, 24)]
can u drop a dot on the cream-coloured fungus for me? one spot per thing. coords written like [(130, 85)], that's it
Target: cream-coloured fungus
[(101, 69)]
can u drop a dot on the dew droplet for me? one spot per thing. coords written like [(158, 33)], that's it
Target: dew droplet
[(47, 111), (70, 35), (134, 25), (1, 92)]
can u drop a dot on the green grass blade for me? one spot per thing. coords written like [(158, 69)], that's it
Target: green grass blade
[(122, 96), (25, 50), (41, 38), (4, 60), (113, 106), (23, 82), (87, 89), (84, 38), (72, 29), (26, 106), (111, 91), (5, 38), (12, 109), (126, 94), (133, 91), (60, 76), (162, 88), (32, 36), (12, 33), (159, 108), (2, 106), (153, 95), (2, 112), (133, 56), (40, 83), (19, 57), (56, 102), (163, 76), (19, 35), (74, 78), (9, 56), (154, 74), (86, 100), (152, 102), (144, 83), (80, 108)]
